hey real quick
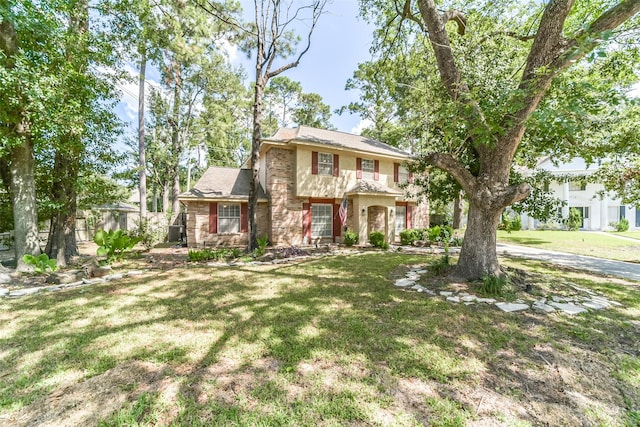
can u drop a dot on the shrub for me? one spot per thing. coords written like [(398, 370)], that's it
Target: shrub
[(262, 245), (510, 223), (516, 223), (575, 219), (441, 265), (376, 238), (494, 285), (41, 263), (457, 241), (114, 244), (350, 238), (623, 225), (409, 236), (208, 254), (149, 233), (434, 234)]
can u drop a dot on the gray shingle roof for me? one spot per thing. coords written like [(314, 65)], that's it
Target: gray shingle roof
[(223, 183), (372, 187), (337, 139)]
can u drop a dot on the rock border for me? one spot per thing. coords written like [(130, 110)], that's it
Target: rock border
[(587, 302)]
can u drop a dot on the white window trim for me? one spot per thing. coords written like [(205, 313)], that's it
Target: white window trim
[(221, 207), (315, 217), (325, 167), (368, 173)]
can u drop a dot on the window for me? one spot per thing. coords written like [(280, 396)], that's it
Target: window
[(577, 186), (368, 169), (615, 213), (321, 220), (325, 164), (403, 174), (401, 219), (228, 218)]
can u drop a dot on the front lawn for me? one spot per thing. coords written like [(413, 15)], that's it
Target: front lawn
[(595, 244), (327, 341)]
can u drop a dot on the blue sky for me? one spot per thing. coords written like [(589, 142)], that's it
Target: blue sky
[(340, 42)]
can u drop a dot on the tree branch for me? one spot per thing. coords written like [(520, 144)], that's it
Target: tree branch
[(449, 164)]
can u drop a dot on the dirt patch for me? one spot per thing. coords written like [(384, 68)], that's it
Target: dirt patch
[(90, 401)]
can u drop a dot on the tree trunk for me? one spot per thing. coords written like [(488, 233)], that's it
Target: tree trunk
[(457, 211), (23, 190), (165, 198), (478, 256), (256, 140), (142, 171), (175, 192), (176, 143)]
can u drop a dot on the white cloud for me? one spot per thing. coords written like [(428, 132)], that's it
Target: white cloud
[(229, 49), (362, 125)]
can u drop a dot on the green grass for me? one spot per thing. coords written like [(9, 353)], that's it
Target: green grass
[(629, 234), (322, 342), (576, 242)]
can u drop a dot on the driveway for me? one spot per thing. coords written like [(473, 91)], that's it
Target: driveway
[(627, 270)]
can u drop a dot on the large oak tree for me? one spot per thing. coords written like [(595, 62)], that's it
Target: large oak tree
[(491, 119)]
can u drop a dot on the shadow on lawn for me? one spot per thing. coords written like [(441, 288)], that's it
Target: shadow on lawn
[(284, 328)]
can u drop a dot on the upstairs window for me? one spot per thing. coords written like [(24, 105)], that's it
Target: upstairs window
[(368, 169), (325, 164), (403, 174), (577, 186)]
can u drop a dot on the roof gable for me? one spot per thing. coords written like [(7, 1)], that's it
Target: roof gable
[(223, 183)]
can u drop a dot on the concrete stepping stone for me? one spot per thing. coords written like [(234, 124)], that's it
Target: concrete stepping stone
[(543, 307), (511, 307), (469, 298), (23, 292), (453, 299), (4, 291), (568, 308), (446, 293), (594, 305), (403, 283), (92, 281), (486, 300)]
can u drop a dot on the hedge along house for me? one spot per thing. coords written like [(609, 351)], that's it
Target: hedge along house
[(305, 176)]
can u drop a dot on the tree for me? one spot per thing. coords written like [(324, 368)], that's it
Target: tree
[(273, 39), (492, 110), (281, 96), (311, 111)]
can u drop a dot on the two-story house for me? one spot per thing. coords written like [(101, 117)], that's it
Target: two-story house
[(599, 208), (305, 176)]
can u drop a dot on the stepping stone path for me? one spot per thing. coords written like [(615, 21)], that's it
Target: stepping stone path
[(584, 303), (17, 293)]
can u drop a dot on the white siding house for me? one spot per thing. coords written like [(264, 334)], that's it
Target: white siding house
[(598, 212)]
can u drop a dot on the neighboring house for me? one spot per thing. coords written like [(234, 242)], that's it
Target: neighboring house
[(305, 175), (598, 212)]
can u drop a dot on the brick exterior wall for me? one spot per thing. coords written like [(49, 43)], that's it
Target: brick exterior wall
[(198, 227), (285, 210), (377, 219), (420, 215)]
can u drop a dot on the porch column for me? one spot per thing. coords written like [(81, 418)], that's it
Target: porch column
[(565, 198), (604, 213), (360, 220), (391, 225)]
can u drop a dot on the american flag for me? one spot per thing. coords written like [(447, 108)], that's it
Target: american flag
[(343, 211)]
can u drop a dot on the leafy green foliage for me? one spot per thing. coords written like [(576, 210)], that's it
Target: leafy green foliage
[(622, 225), (149, 233), (376, 238), (494, 285), (262, 242), (350, 238), (407, 237), (208, 254), (441, 265), (510, 222), (574, 222), (114, 244), (41, 263)]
